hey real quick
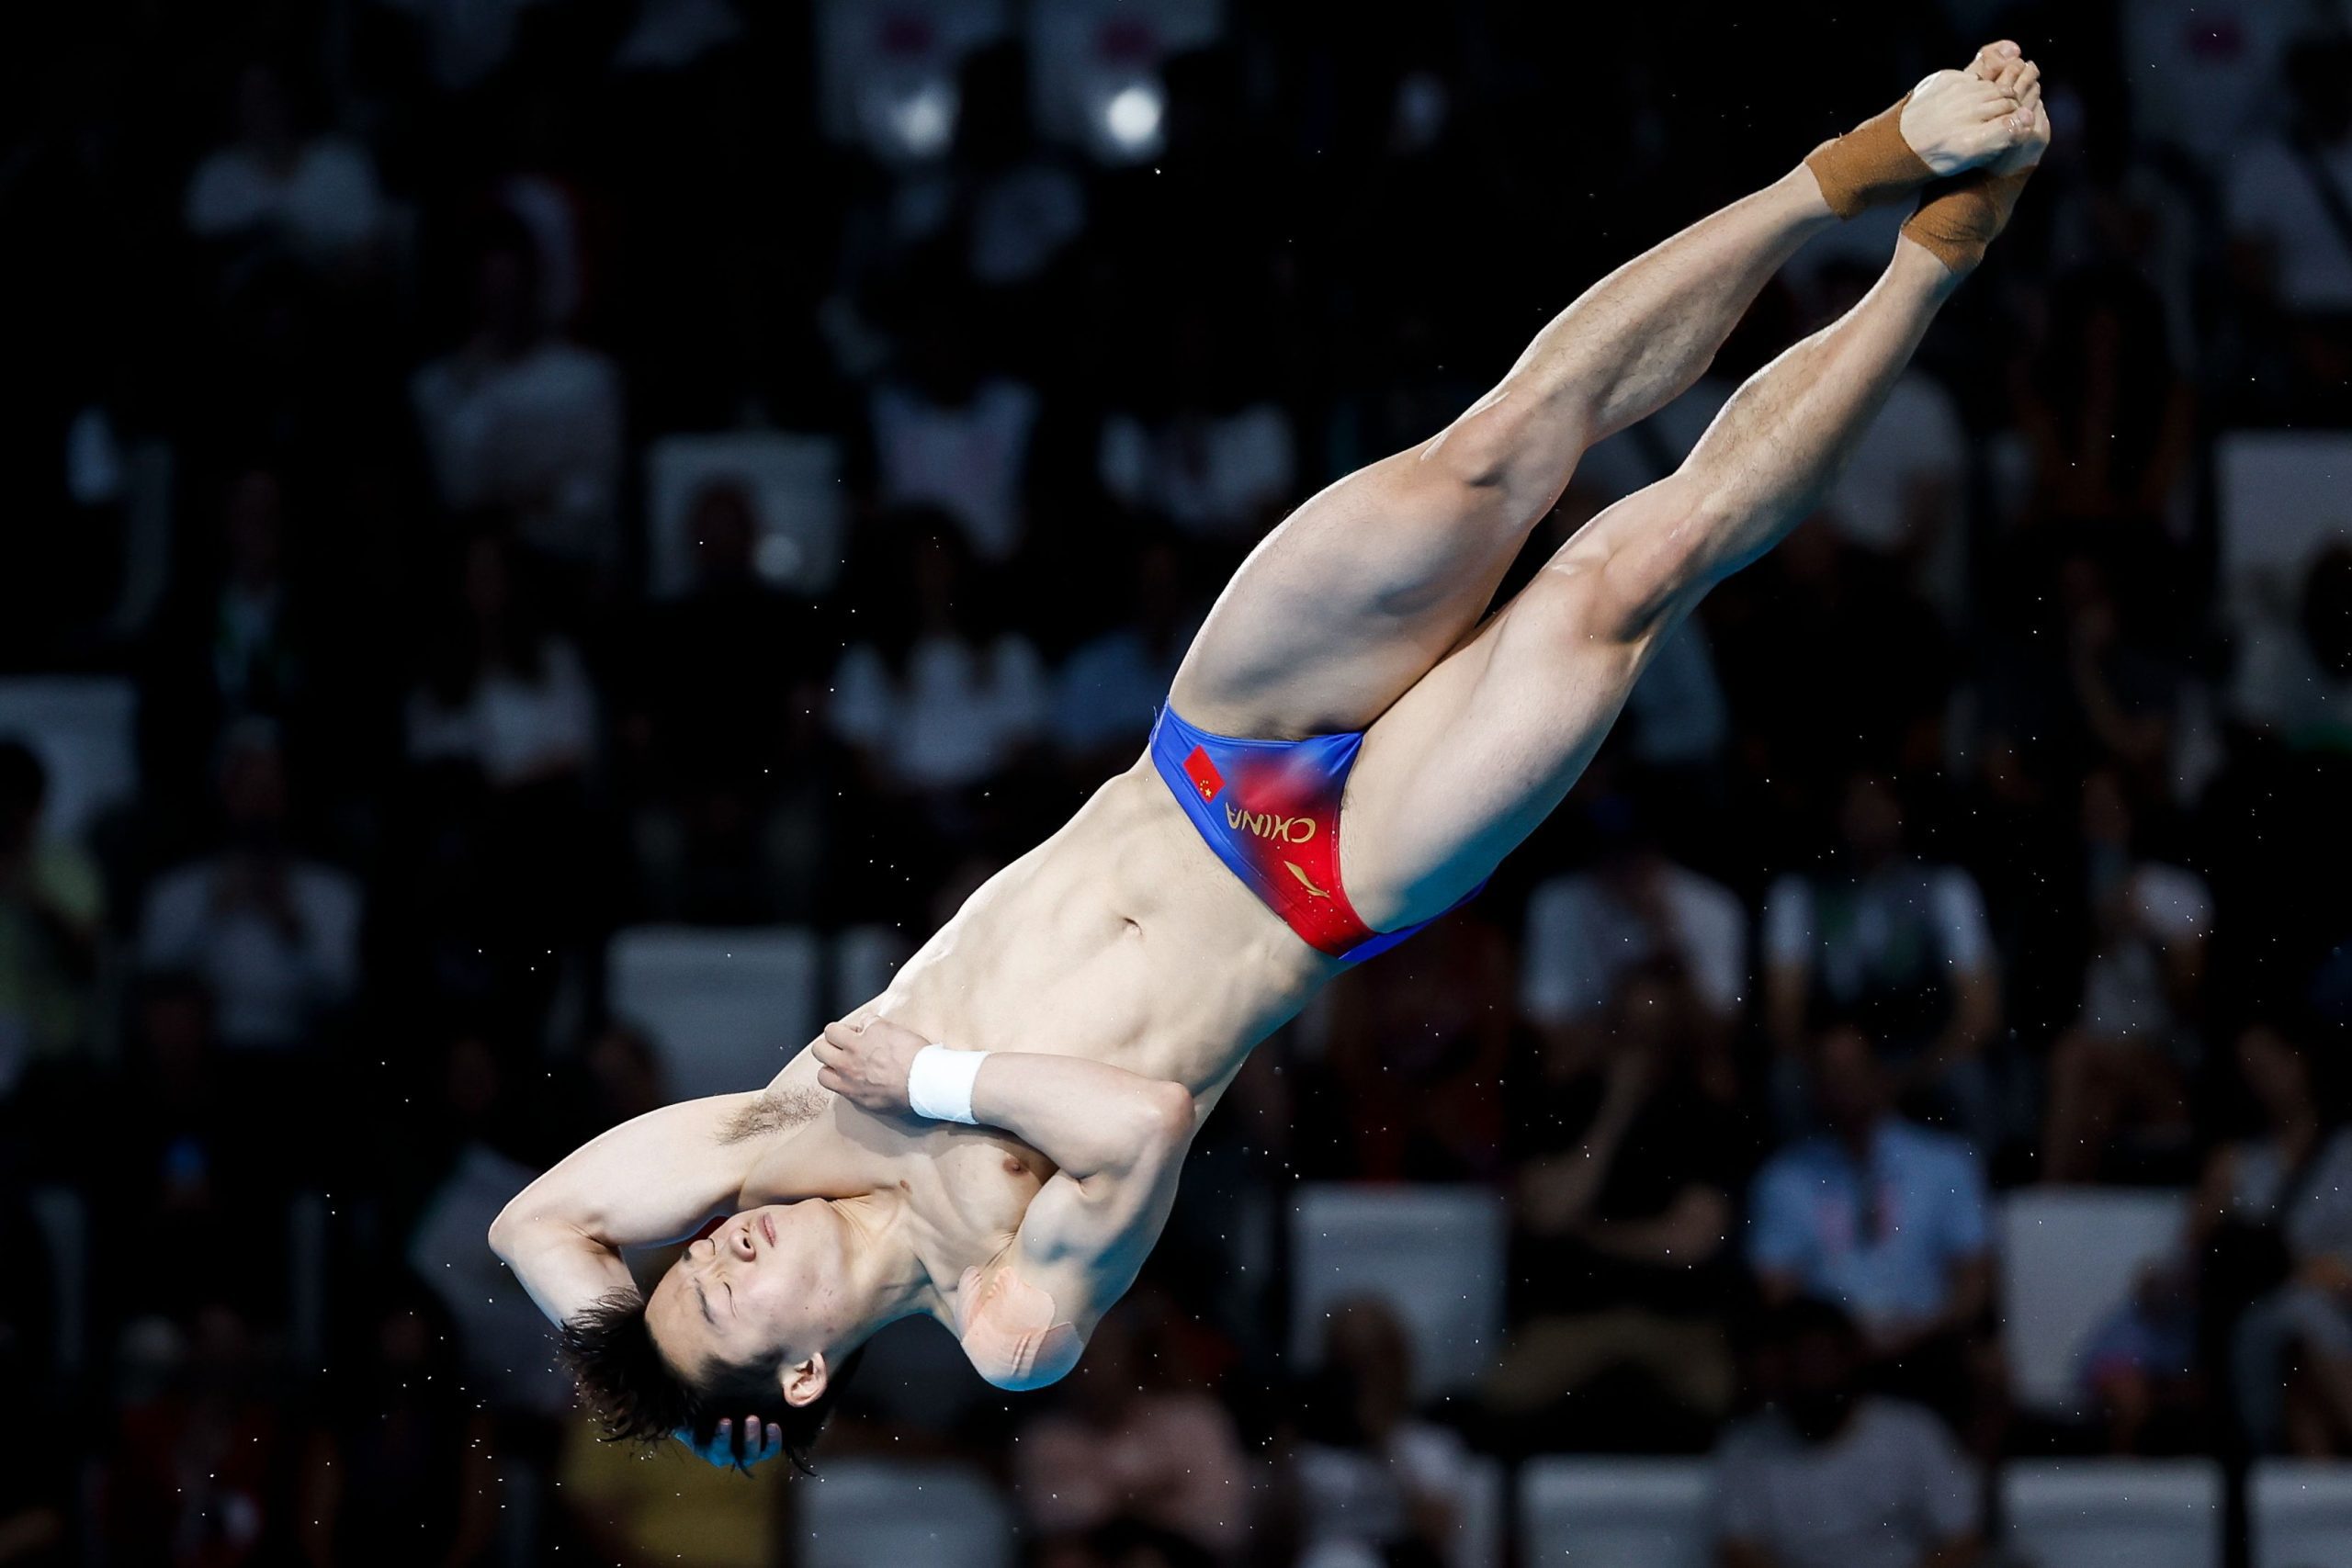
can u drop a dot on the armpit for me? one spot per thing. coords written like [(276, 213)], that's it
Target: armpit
[(1011, 1332)]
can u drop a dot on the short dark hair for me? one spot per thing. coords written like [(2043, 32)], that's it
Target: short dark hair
[(640, 1398)]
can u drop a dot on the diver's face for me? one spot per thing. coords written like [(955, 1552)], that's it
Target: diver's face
[(763, 1289)]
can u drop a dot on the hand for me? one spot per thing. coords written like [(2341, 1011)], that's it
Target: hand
[(759, 1444), (866, 1064)]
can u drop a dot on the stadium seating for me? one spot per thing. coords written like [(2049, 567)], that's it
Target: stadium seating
[(82, 729), (2282, 497), (869, 1513), (1433, 1254), (726, 1009), (794, 486), (2114, 1513), (2068, 1257), (1596, 1513), (2298, 1514)]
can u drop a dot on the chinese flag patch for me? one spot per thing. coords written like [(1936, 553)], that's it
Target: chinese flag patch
[(1203, 774)]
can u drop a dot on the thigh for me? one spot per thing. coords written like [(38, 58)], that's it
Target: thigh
[(1352, 600), (1476, 754)]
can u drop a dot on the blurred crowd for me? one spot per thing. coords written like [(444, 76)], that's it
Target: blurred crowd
[(550, 468)]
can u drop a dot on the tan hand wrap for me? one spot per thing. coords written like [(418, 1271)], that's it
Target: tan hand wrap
[(1870, 164), (1959, 217)]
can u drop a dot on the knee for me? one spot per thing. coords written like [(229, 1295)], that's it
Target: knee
[(1512, 448)]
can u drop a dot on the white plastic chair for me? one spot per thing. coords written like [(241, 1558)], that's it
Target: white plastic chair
[(2283, 495), (1433, 1254), (2115, 1513), (727, 1008), (873, 1513), (2298, 1514), (1613, 1513), (2069, 1257), (792, 483)]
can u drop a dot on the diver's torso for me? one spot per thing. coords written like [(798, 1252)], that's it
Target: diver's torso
[(1122, 939)]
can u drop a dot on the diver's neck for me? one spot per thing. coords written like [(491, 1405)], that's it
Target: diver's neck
[(885, 1255)]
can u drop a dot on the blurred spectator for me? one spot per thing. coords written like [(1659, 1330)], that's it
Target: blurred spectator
[(2294, 680), (2125, 1065), (1628, 1151), (2274, 1216), (242, 639), (1024, 206), (502, 695), (1831, 1476), (521, 420), (1134, 1442), (52, 905), (503, 1336), (1107, 693), (1202, 451), (200, 1473), (928, 698), (1418, 1058), (2082, 675), (1588, 929), (951, 435), (317, 192), (1899, 496), (400, 1470), (1881, 1217), (209, 1153), (723, 730), (2290, 206), (1897, 943), (2139, 1368), (275, 936), (2107, 416), (1374, 1486)]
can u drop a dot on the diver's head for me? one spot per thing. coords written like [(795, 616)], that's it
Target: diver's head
[(759, 1317)]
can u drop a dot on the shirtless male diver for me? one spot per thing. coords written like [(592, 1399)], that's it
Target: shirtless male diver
[(1097, 996)]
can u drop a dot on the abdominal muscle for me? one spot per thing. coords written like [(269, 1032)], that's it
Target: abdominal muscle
[(1122, 939)]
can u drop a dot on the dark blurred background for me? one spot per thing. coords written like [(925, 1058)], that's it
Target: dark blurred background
[(549, 544)]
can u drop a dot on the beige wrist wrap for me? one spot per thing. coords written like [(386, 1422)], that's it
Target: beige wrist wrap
[(1870, 164), (1959, 217)]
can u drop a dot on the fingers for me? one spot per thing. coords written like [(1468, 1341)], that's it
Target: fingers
[(828, 1079), (841, 1032), (825, 1051)]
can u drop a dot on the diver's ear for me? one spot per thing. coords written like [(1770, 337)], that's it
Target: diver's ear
[(805, 1381)]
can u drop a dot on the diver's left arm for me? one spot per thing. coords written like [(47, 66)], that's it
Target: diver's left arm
[(1119, 1139), (651, 1180)]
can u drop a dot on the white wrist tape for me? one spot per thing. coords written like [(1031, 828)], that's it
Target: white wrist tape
[(939, 1085)]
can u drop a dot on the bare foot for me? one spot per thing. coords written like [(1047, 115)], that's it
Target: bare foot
[(1958, 119)]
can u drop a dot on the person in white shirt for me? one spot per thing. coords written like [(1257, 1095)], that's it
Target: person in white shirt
[(1373, 1484), (1827, 1476), (1587, 930), (508, 699), (941, 706), (2289, 195), (1893, 941), (275, 936), (520, 419), (318, 192), (949, 435)]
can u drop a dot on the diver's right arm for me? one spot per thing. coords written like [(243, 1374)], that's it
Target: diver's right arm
[(651, 1181)]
